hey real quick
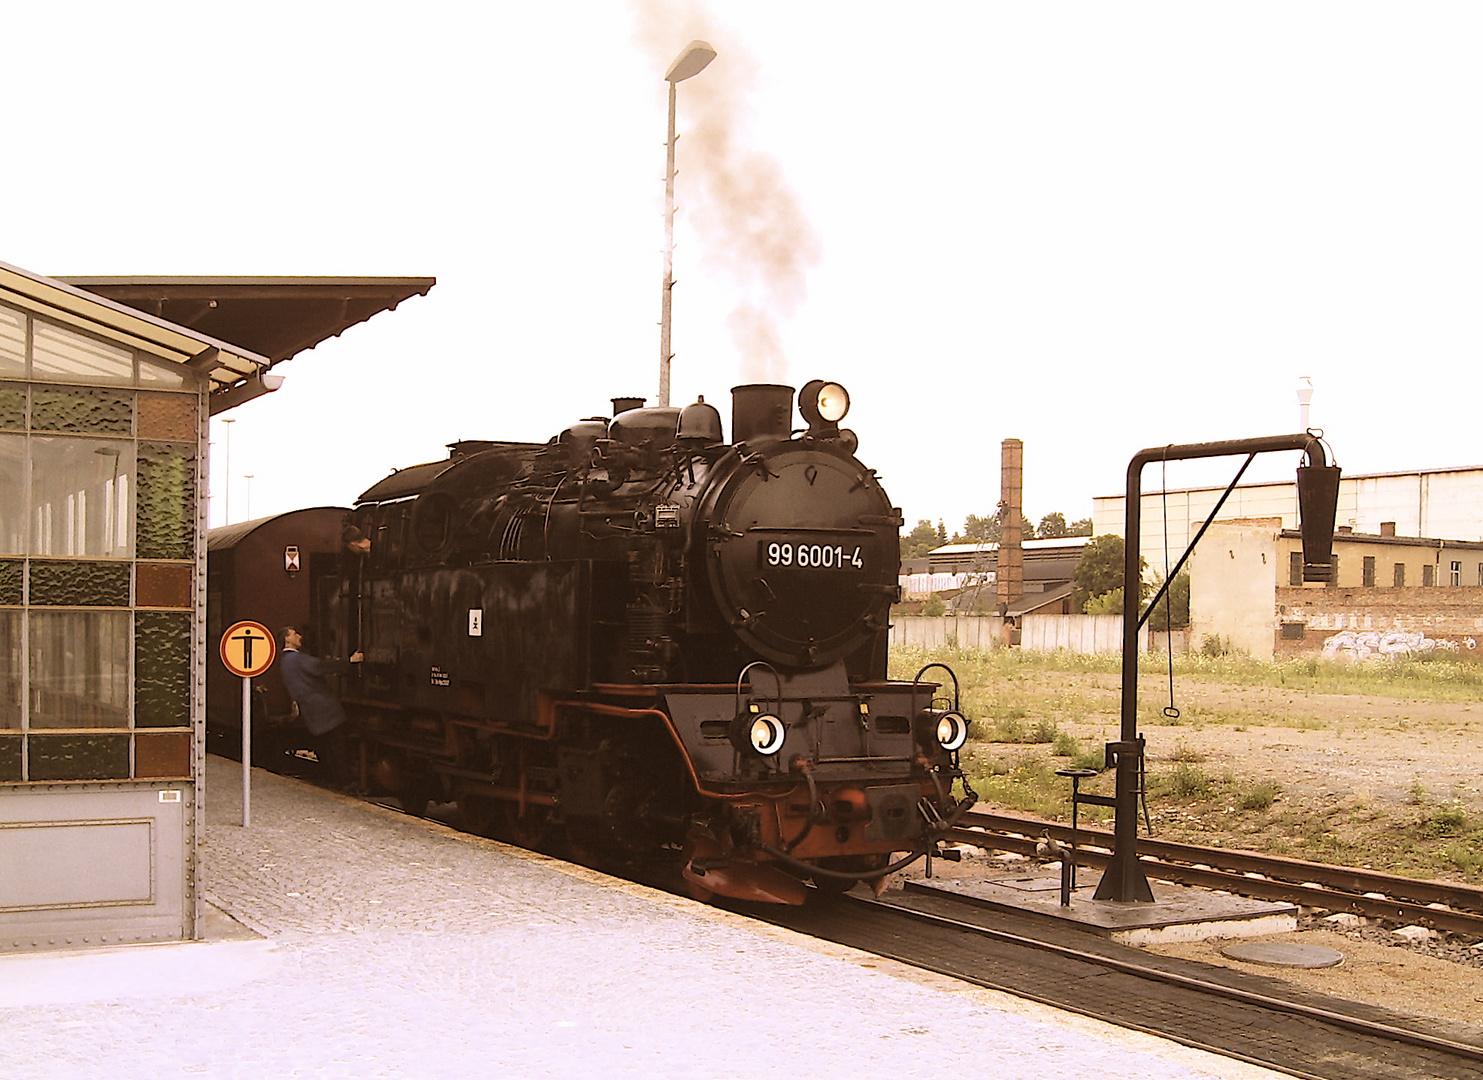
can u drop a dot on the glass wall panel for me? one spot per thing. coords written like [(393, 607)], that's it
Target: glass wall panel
[(162, 669), (10, 581), (162, 755), (12, 344), (86, 410), (167, 501), (163, 375), (12, 494), (79, 584), (66, 356), (12, 406), (10, 758), (10, 670), (160, 585), (78, 757), (167, 416), (80, 497), (79, 669)]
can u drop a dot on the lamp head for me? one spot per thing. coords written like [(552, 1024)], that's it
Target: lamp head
[(690, 63)]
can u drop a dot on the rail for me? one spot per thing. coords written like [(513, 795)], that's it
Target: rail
[(1442, 905)]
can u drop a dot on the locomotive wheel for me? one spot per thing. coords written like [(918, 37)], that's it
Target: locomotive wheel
[(529, 830), (481, 815)]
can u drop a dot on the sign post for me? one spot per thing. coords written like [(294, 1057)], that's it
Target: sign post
[(247, 649)]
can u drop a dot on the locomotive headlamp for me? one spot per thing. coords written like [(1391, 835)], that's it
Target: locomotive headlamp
[(758, 732), (945, 729), (823, 404)]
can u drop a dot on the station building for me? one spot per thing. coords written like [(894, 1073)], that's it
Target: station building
[(103, 452)]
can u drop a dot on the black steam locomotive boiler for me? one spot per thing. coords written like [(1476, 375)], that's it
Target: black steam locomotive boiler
[(643, 640)]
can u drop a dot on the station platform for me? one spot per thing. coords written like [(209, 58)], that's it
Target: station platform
[(348, 940)]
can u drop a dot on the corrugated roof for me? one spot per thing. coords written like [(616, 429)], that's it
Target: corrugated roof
[(228, 536)]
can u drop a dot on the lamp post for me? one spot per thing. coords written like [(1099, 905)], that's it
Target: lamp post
[(692, 61), (226, 498), (248, 478)]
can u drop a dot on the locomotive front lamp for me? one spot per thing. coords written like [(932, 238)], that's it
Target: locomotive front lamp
[(823, 404), (946, 729), (758, 732)]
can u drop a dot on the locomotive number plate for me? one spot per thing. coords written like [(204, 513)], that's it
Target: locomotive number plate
[(807, 556)]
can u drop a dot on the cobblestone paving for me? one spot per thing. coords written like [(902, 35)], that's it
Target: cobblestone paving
[(395, 948)]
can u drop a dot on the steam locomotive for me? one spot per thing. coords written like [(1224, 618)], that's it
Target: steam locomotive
[(642, 641)]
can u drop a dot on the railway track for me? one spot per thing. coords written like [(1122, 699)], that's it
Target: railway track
[(1442, 905), (1250, 1018)]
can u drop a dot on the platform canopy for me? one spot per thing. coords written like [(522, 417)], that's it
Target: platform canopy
[(275, 317), (226, 363)]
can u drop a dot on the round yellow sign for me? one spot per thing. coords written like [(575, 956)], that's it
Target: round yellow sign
[(247, 649)]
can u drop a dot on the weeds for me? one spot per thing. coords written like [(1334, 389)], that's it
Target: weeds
[(1259, 796), (1447, 820), (1185, 781)]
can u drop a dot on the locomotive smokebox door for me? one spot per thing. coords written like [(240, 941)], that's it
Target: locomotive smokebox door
[(803, 553)]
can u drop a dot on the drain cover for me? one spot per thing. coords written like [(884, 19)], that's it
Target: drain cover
[(1283, 954)]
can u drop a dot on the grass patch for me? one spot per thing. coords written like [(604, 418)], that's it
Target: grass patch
[(1184, 781), (1448, 820), (1259, 796)]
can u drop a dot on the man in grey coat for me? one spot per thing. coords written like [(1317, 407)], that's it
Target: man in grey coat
[(305, 679)]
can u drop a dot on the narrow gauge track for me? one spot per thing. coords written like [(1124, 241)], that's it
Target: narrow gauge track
[(1439, 904), (1250, 1018)]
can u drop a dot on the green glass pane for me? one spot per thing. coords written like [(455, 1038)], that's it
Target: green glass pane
[(82, 409), (162, 669), (12, 407), (10, 757), (166, 502), (10, 581), (10, 670), (79, 584), (79, 757)]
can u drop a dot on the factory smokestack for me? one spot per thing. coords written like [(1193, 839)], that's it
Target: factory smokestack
[(1011, 569)]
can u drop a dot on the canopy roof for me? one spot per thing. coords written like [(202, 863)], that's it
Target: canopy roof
[(224, 362), (275, 316)]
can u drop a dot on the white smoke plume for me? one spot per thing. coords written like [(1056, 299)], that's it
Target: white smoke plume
[(748, 221)]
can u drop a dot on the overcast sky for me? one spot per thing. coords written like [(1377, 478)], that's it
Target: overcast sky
[(1095, 227)]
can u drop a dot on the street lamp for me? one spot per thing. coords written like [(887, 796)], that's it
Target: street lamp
[(248, 478), (689, 63), (226, 499)]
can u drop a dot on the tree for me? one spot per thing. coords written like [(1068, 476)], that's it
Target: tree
[(1052, 525), (920, 540), (980, 530), (1100, 571), (1080, 527), (1173, 610)]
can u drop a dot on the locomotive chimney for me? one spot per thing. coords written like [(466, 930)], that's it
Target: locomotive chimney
[(761, 412), (624, 404), (1011, 564)]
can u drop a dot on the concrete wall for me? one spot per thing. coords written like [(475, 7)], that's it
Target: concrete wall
[(1233, 577), (1037, 633)]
